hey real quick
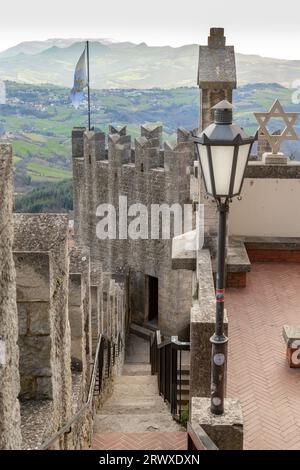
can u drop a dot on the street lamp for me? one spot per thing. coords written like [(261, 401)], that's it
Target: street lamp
[(223, 150)]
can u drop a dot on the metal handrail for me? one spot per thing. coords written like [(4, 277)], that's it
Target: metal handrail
[(175, 342), (66, 428), (198, 439), (164, 363)]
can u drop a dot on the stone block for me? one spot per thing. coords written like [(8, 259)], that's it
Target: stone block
[(28, 387), (33, 276), (76, 321), (291, 335), (226, 430), (23, 318), (77, 142), (75, 290), (39, 318), (35, 355), (43, 388), (184, 248), (270, 158)]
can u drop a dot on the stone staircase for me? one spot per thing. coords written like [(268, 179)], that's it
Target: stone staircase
[(136, 416)]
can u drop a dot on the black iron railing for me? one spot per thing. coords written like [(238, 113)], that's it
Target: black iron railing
[(198, 439), (166, 362), (100, 372)]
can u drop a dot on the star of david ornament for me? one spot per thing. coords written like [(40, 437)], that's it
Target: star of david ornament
[(288, 133)]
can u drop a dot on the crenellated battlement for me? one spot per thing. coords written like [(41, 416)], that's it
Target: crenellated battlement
[(146, 152)]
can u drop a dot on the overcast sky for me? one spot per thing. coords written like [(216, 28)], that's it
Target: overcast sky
[(266, 27)]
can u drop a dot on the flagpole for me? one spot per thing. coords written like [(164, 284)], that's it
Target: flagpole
[(88, 83)]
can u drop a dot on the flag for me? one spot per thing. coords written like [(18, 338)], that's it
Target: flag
[(80, 81)]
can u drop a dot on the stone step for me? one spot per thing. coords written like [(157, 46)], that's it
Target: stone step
[(136, 369), (136, 379), (185, 379), (137, 422), (138, 406), (185, 383), (185, 370), (135, 391), (184, 388)]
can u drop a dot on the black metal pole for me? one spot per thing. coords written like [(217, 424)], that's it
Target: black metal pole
[(88, 83), (219, 340)]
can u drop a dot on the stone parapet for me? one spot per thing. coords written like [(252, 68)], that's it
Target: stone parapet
[(202, 328), (290, 170), (10, 431)]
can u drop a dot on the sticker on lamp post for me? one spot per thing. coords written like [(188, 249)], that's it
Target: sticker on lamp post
[(2, 353), (217, 401), (219, 359)]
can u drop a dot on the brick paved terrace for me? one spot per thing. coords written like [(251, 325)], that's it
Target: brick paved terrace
[(258, 371)]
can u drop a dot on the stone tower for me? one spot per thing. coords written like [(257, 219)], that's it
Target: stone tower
[(216, 74), (216, 80)]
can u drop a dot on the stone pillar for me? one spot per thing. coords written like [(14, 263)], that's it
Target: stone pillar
[(80, 264), (78, 179), (203, 317), (96, 315), (105, 300), (153, 135), (97, 147), (124, 140), (96, 278), (76, 316), (35, 326), (216, 74), (226, 431), (10, 430), (38, 235)]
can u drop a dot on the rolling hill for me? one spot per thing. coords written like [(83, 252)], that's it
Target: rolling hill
[(38, 120)]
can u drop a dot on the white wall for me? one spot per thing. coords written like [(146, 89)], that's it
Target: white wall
[(269, 207)]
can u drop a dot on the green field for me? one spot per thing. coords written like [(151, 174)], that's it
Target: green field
[(40, 172), (39, 120)]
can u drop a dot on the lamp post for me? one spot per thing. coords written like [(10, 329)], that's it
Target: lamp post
[(223, 150)]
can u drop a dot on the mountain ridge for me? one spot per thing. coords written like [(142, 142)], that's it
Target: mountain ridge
[(128, 65)]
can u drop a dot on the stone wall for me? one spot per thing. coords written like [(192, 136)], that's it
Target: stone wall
[(10, 432), (146, 175), (269, 203)]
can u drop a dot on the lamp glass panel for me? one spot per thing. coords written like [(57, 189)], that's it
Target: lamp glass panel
[(205, 167), (240, 167), (222, 159)]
